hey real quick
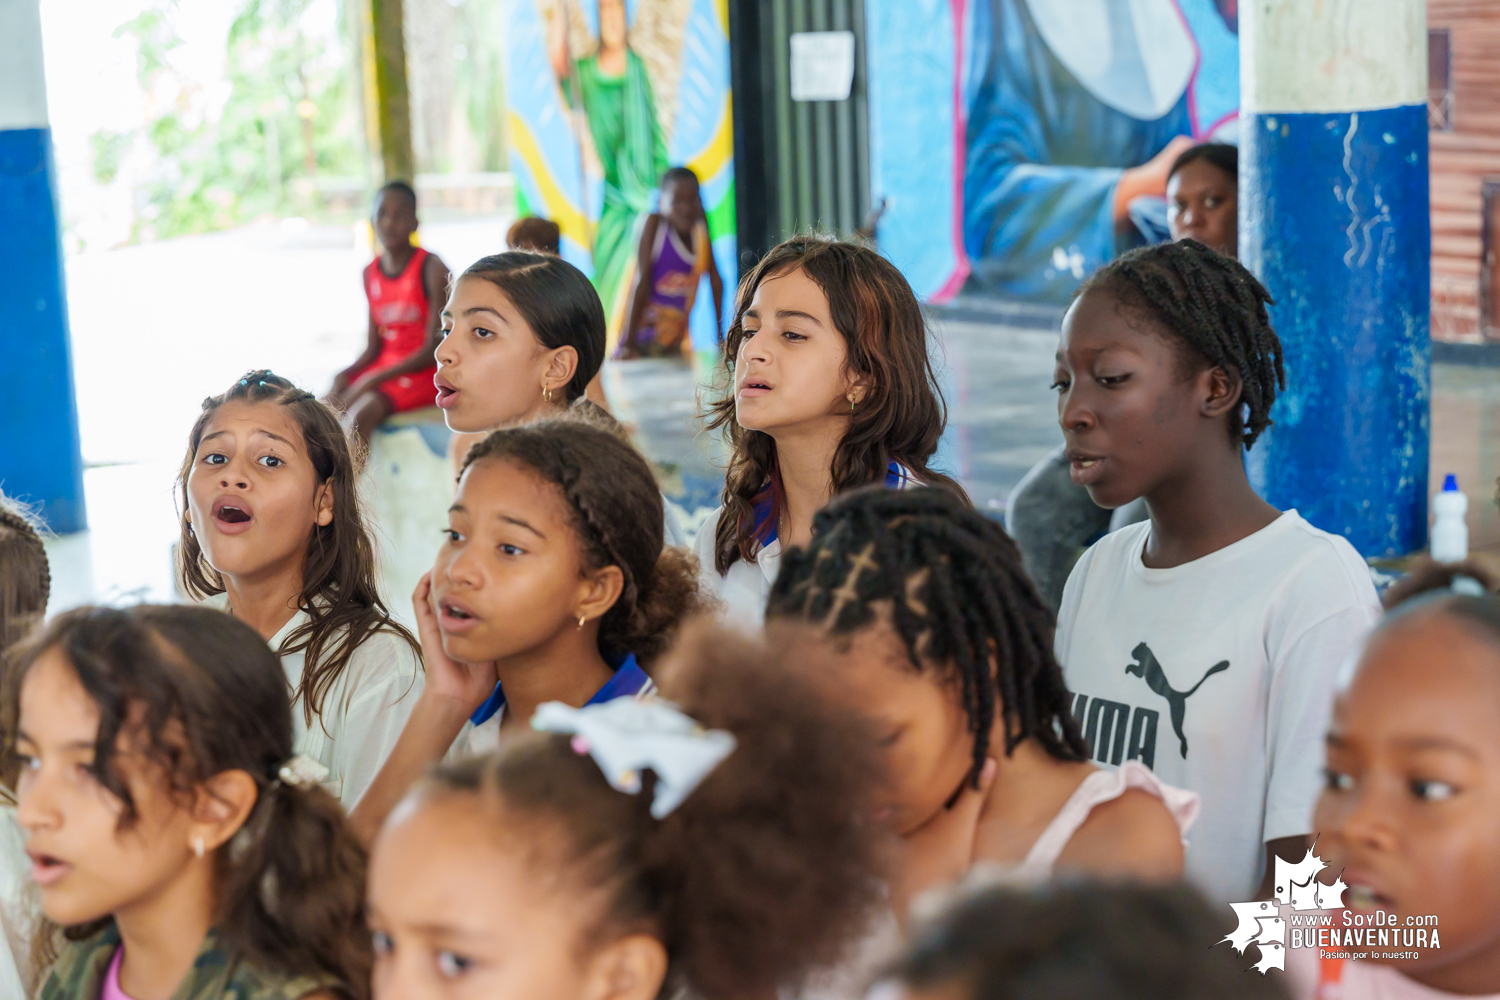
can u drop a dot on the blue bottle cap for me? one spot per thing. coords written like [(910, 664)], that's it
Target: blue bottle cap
[(1450, 483)]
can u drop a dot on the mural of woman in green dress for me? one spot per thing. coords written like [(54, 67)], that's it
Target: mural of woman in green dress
[(612, 88)]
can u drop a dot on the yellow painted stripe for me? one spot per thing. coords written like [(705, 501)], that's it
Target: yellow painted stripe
[(722, 9), (709, 160), (559, 209)]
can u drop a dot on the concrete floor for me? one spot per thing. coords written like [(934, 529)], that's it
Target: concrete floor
[(157, 328)]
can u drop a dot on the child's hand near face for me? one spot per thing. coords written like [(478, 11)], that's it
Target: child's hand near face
[(467, 684)]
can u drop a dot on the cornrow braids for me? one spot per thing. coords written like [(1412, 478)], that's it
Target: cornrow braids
[(1216, 308), (25, 575), (616, 510), (956, 593)]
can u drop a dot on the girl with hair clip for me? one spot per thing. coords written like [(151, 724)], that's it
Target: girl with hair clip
[(523, 339), (827, 386), (272, 532), (919, 609), (714, 846), (552, 584), (173, 834)]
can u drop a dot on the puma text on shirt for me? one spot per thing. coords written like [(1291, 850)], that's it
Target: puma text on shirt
[(1218, 675)]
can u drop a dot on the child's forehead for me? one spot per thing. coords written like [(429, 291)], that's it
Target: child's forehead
[(1427, 672), (242, 418)]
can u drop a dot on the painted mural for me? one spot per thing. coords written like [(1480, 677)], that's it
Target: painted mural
[(604, 96), (1021, 144)]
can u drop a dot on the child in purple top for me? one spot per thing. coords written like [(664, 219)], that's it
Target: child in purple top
[(674, 253)]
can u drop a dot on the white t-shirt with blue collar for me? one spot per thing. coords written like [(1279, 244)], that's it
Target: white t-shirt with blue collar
[(745, 587), (481, 733)]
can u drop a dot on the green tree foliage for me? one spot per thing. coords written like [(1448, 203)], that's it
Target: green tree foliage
[(226, 157)]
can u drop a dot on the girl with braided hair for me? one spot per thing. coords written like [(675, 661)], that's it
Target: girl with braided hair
[(1204, 641), (272, 532), (827, 385), (553, 583), (920, 607)]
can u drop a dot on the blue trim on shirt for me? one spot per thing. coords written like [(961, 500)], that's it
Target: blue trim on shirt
[(897, 477), (629, 679)]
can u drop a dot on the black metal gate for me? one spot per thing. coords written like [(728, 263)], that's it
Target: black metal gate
[(799, 165)]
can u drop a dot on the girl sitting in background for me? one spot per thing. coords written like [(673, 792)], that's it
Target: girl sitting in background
[(1411, 804), (271, 521), (920, 608), (714, 847), (553, 584), (171, 830), (828, 386), (673, 254)]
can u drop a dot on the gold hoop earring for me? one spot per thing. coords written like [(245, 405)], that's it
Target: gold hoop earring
[(197, 847), (546, 394), (581, 620)]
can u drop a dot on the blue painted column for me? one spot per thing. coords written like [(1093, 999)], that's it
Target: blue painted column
[(40, 460), (1334, 220)]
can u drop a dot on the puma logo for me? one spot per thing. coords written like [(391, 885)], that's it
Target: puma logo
[(1149, 670)]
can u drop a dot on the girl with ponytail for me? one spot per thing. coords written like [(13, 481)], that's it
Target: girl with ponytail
[(552, 584), (172, 834)]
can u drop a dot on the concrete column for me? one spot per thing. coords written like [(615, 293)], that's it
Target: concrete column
[(40, 461), (1334, 220), (387, 104)]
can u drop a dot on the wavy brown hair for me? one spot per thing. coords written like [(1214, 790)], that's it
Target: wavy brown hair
[(616, 510), (338, 594), (25, 575), (768, 871), (900, 418), (202, 694)]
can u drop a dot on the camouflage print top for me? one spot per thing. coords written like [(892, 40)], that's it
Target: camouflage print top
[(78, 974)]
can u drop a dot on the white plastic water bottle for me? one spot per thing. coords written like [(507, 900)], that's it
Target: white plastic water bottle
[(1450, 535)]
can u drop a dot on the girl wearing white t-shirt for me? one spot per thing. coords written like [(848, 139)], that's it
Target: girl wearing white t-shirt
[(1203, 642), (828, 386), (272, 533), (924, 616)]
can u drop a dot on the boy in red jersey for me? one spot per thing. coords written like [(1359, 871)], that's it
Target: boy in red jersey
[(394, 374)]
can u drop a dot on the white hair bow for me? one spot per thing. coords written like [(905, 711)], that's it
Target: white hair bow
[(625, 736), (302, 771)]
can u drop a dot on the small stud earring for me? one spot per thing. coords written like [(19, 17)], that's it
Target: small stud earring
[(197, 847)]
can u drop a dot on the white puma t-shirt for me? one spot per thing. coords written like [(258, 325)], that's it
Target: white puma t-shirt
[(1219, 676)]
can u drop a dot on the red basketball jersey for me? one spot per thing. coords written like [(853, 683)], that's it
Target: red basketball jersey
[(399, 306)]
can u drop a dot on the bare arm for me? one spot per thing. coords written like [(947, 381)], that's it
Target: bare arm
[(640, 291), (452, 692), (342, 380), (716, 285), (1133, 836)]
